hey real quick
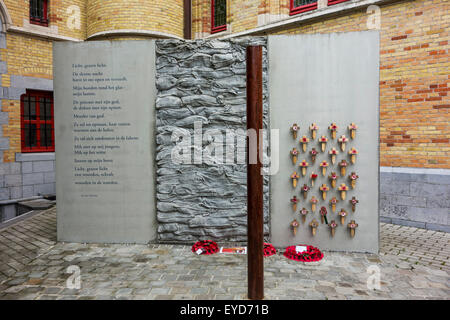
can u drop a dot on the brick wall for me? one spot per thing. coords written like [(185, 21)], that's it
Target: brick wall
[(59, 12), (25, 56), (157, 15)]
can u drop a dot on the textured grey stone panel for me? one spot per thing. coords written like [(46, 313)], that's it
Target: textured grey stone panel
[(404, 177), (15, 168), (27, 191), (429, 197), (33, 178), (203, 81), (4, 118), (438, 178), (43, 189), (8, 212), (438, 227), (19, 84), (15, 192), (3, 67), (429, 215), (325, 78), (49, 177), (407, 200), (43, 166), (385, 219), (429, 190), (408, 223), (27, 167), (13, 180), (4, 143), (5, 168), (4, 194), (395, 187), (394, 211), (2, 40)]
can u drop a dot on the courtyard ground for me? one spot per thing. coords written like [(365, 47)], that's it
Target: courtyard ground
[(413, 264)]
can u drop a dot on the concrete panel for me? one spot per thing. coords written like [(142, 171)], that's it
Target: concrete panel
[(118, 208), (325, 78)]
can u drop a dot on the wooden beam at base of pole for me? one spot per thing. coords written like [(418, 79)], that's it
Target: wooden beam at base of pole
[(255, 220)]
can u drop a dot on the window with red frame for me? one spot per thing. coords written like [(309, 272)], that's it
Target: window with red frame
[(37, 121), (38, 12), (331, 2), (218, 15), (298, 6)]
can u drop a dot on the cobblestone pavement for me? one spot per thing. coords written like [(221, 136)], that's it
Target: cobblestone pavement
[(35, 268), (417, 246), (24, 241)]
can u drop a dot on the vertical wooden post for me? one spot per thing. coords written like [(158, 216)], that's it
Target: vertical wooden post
[(255, 221), (187, 19)]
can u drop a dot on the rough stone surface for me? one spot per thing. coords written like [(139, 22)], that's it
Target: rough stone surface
[(205, 82), (416, 199)]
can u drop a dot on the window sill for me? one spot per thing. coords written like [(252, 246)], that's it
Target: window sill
[(226, 31), (39, 23), (331, 2), (35, 156), (219, 29)]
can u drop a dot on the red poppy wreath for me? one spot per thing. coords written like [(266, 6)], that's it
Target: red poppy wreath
[(269, 250), (205, 247), (310, 255)]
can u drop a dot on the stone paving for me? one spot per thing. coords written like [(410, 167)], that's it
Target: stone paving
[(24, 241), (37, 269)]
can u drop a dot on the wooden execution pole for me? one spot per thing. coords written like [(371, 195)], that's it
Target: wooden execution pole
[(255, 222), (187, 19)]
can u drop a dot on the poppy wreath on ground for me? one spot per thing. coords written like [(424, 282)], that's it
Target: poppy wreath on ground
[(310, 255), (269, 250), (207, 247)]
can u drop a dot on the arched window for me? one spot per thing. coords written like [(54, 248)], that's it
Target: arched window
[(39, 12), (218, 15)]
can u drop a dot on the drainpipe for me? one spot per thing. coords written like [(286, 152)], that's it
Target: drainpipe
[(187, 19)]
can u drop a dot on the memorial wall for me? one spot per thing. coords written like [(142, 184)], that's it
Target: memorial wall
[(150, 138), (326, 84)]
